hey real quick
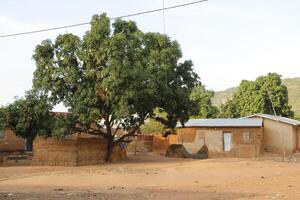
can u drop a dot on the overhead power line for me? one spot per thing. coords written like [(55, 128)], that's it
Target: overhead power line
[(164, 23), (87, 23)]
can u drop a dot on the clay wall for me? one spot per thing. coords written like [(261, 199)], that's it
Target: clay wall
[(72, 152), (11, 142), (161, 144), (245, 142), (279, 137)]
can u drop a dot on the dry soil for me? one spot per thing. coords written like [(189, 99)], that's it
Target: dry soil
[(150, 176)]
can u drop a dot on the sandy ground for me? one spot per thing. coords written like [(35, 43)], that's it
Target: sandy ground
[(149, 176)]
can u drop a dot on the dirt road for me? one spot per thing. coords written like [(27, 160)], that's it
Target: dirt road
[(150, 176)]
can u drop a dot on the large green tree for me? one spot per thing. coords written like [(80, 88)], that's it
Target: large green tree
[(114, 77), (201, 99), (28, 117), (266, 95)]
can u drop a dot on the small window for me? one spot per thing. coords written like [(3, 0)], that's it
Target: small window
[(245, 137), (2, 135)]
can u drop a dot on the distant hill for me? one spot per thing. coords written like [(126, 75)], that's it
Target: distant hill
[(292, 84)]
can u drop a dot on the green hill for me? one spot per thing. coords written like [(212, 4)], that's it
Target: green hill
[(292, 84)]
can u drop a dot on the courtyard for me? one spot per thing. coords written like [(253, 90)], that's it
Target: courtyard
[(151, 176)]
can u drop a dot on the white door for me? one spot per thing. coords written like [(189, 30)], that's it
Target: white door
[(227, 141)]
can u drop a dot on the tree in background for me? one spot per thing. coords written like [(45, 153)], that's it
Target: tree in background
[(152, 126), (259, 96), (3, 117), (202, 105), (28, 117), (114, 78), (228, 110)]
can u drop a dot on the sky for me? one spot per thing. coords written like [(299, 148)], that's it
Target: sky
[(228, 41)]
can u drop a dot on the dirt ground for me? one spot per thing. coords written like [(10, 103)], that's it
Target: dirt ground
[(150, 176)]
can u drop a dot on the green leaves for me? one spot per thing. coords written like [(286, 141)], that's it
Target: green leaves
[(116, 75), (203, 107), (29, 116), (3, 118), (259, 96)]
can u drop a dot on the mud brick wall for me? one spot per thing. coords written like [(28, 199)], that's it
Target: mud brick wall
[(161, 144), (72, 152), (141, 143), (149, 143), (193, 138), (11, 142)]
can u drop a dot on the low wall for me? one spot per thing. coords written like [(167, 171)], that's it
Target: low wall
[(161, 144), (11, 142), (151, 143), (141, 143), (72, 152)]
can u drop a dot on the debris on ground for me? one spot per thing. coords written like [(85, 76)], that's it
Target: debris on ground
[(202, 153), (178, 151)]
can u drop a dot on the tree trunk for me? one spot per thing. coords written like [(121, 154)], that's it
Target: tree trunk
[(29, 142), (110, 147)]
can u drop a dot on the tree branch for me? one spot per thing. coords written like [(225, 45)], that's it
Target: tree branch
[(118, 127), (131, 133)]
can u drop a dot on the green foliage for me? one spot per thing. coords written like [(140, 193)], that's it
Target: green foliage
[(3, 118), (293, 87), (152, 126), (28, 116), (115, 76), (203, 107), (31, 116), (257, 97), (61, 124), (228, 110)]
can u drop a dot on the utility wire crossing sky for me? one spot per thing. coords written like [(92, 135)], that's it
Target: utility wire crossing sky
[(113, 18), (228, 41)]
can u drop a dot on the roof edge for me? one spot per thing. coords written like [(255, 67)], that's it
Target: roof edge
[(275, 118)]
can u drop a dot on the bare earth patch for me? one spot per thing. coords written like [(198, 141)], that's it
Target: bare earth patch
[(149, 176)]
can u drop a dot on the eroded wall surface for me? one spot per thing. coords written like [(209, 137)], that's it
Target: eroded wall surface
[(72, 152), (278, 136), (11, 142), (245, 142)]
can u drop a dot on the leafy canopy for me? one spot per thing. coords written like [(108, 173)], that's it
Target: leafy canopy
[(259, 96), (28, 116), (115, 76), (201, 99), (3, 117)]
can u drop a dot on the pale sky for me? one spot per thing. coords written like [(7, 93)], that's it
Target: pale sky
[(228, 40)]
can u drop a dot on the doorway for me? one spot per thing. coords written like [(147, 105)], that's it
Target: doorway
[(227, 139)]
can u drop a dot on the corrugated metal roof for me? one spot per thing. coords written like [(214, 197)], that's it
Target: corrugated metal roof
[(223, 123), (276, 118)]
